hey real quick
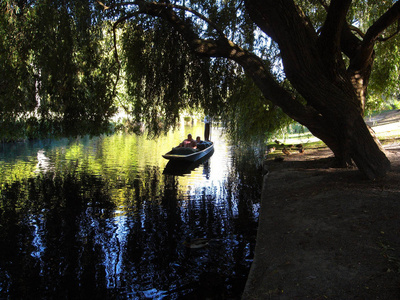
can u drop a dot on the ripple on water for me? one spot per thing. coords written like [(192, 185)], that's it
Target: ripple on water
[(99, 214)]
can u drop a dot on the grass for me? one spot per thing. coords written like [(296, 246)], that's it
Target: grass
[(387, 134)]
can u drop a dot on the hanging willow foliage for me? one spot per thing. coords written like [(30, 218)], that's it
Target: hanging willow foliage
[(164, 77), (58, 69), (55, 77)]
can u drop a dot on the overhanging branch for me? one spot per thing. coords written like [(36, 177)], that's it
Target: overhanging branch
[(388, 18), (357, 30), (331, 31), (222, 47), (155, 5), (165, 11), (362, 55), (381, 39)]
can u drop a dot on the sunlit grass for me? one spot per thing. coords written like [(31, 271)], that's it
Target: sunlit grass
[(387, 134)]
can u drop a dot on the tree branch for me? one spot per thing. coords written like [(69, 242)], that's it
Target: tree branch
[(222, 47), (349, 42), (358, 30), (119, 21), (381, 39), (329, 39), (160, 5), (197, 14), (387, 19), (365, 51), (163, 10)]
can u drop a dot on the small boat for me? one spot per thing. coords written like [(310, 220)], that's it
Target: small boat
[(189, 154), (183, 167)]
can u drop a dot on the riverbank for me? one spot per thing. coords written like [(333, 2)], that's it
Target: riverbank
[(327, 233)]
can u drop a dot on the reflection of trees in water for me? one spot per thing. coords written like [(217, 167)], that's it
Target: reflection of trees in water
[(246, 178), (65, 236), (155, 248), (51, 217)]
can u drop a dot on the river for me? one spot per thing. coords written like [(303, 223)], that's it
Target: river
[(103, 218)]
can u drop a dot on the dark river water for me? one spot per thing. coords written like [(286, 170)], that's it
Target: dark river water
[(106, 218)]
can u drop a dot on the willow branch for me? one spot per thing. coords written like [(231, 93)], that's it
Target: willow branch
[(224, 48), (388, 18), (357, 30), (197, 14), (119, 21), (166, 5), (381, 39), (335, 20), (365, 51)]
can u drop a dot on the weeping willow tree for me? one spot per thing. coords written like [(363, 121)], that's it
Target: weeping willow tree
[(163, 76), (56, 76), (321, 63), (327, 51)]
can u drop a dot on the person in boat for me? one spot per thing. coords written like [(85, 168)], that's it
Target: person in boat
[(207, 128), (189, 142), (200, 144)]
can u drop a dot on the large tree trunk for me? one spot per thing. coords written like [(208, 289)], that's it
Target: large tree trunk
[(354, 141), (314, 67)]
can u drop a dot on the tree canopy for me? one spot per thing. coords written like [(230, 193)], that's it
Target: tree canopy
[(321, 63), (56, 76)]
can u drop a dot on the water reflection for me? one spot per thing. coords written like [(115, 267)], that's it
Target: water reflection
[(97, 218)]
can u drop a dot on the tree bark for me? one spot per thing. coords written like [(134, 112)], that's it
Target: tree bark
[(320, 77)]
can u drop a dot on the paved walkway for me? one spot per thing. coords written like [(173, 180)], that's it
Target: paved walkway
[(325, 233)]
